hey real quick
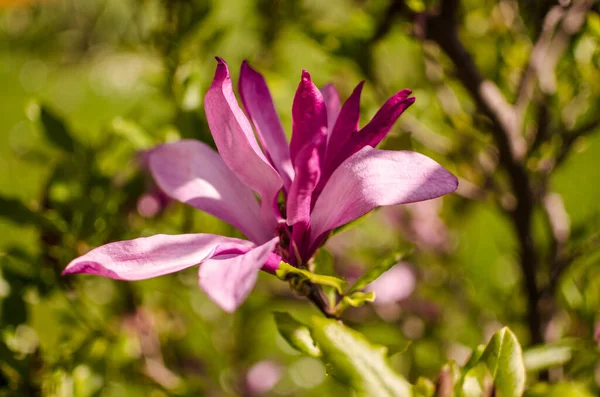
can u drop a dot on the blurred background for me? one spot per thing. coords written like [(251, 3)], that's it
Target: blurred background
[(508, 99)]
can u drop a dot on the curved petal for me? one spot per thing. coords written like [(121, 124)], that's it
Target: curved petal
[(332, 103), (229, 279), (345, 127), (235, 140), (309, 116), (372, 178), (191, 172), (374, 132), (258, 102), (154, 256)]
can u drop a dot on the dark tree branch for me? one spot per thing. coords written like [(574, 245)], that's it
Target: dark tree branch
[(507, 121), (442, 29)]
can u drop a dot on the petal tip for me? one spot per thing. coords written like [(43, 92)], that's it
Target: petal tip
[(221, 73), (454, 182), (246, 67), (306, 76), (89, 267)]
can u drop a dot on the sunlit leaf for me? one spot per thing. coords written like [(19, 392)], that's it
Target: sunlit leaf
[(133, 132), (548, 356), (424, 387), (559, 390), (504, 359), (474, 382), (296, 334), (373, 273), (354, 361)]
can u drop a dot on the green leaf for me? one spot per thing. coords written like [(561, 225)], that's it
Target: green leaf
[(56, 130), (296, 334), (373, 273), (286, 271), (504, 358), (424, 387), (357, 299), (570, 389), (474, 359), (548, 356), (354, 361), (474, 381), (133, 132), (323, 264)]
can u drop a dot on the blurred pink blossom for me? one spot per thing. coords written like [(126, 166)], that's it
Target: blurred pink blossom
[(395, 285), (262, 377)]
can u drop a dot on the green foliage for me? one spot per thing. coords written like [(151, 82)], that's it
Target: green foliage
[(373, 273), (56, 131), (87, 86), (296, 334), (504, 359), (349, 357), (549, 355)]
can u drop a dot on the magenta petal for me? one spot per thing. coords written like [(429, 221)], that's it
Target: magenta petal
[(259, 105), (191, 172), (308, 172), (345, 127), (332, 103), (309, 115), (374, 132), (228, 280), (237, 145), (371, 178), (154, 256)]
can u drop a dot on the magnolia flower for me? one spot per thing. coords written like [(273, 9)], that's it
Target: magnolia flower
[(329, 175)]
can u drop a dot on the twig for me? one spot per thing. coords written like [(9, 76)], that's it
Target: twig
[(559, 25), (559, 224)]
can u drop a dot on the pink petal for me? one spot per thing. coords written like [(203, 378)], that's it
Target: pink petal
[(308, 170), (371, 178), (193, 173), (309, 116), (332, 103), (259, 105), (345, 127), (235, 140), (346, 124), (228, 279), (381, 124), (154, 256)]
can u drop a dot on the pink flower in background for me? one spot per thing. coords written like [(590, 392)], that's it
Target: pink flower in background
[(153, 201), (329, 175), (262, 377), (395, 285)]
